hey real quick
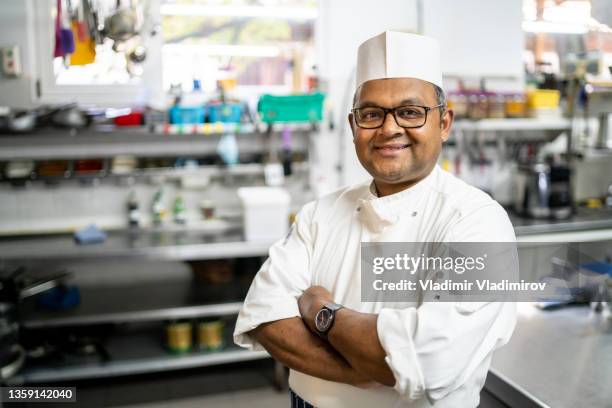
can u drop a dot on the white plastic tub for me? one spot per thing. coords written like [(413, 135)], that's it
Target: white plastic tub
[(265, 212)]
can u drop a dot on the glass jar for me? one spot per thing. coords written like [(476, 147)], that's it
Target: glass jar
[(459, 104), (496, 106), (478, 106), (516, 106)]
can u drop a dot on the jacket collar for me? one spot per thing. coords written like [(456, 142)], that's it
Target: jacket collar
[(379, 212)]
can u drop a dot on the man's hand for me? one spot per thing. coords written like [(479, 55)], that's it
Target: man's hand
[(311, 301)]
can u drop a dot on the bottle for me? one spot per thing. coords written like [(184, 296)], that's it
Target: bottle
[(287, 154), (179, 211), (158, 208), (194, 99), (133, 210)]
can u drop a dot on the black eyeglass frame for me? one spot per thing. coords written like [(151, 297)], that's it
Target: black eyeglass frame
[(393, 110)]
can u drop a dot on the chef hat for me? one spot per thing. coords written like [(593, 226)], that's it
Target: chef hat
[(394, 54)]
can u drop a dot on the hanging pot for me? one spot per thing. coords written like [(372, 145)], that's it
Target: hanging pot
[(13, 289), (12, 354)]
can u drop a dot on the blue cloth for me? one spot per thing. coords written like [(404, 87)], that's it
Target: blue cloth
[(89, 235), (297, 402), (602, 268), (60, 298)]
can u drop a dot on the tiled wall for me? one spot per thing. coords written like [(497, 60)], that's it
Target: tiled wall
[(593, 177), (71, 205)]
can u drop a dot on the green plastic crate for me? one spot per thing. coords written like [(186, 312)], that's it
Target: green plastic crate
[(291, 108)]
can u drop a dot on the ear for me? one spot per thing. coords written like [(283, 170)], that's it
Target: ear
[(351, 122), (445, 124)]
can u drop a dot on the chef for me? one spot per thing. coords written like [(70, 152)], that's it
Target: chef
[(304, 306)]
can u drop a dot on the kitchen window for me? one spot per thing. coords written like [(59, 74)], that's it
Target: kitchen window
[(58, 80), (263, 45)]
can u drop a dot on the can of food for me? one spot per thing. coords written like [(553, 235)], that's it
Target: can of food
[(178, 337), (210, 335)]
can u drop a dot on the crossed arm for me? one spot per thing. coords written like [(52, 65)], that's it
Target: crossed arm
[(352, 353)]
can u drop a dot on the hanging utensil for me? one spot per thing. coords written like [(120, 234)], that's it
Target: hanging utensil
[(123, 24), (134, 59), (66, 36), (82, 31), (91, 18), (59, 49), (84, 50), (138, 54)]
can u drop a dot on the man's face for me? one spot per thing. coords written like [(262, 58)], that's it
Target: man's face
[(394, 156)]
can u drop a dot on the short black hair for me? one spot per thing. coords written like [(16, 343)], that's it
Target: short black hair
[(441, 98)]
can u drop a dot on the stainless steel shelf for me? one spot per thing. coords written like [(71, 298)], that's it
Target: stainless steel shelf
[(181, 245), (597, 154), (522, 124), (172, 173), (151, 302), (244, 169), (92, 144), (584, 220), (132, 354)]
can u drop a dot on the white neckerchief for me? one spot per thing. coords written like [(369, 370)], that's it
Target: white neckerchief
[(379, 212)]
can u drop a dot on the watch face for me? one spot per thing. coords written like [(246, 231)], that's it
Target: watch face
[(323, 320)]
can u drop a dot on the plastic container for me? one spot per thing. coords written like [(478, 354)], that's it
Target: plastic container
[(135, 118), (182, 115), (265, 212), (226, 113), (543, 98), (88, 166), (291, 108)]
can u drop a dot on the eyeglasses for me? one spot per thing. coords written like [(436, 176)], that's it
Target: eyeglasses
[(406, 116)]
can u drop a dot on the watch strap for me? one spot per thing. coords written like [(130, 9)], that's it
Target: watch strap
[(333, 308)]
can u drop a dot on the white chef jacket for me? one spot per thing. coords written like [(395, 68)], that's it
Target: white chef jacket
[(440, 352)]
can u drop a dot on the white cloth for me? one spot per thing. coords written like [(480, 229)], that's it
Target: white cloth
[(439, 352), (394, 54)]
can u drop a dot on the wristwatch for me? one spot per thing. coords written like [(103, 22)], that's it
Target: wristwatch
[(324, 319)]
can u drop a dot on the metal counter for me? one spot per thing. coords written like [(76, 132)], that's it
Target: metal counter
[(584, 219), (167, 245), (559, 359), (189, 245)]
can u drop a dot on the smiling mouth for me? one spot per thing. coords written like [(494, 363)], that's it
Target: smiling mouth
[(393, 147)]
